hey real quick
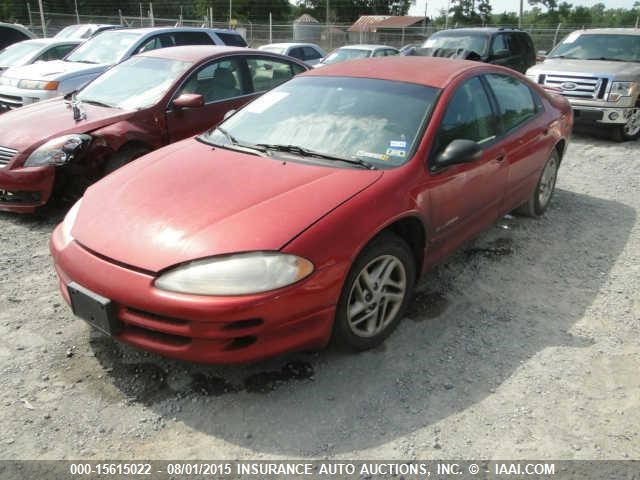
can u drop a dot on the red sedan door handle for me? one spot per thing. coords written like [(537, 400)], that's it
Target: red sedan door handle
[(500, 158)]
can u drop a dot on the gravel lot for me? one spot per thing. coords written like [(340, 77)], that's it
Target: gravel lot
[(523, 345)]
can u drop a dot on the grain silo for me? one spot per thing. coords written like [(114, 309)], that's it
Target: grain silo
[(306, 29)]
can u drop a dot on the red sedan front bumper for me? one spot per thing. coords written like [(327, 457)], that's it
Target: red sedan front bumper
[(22, 190), (202, 328)]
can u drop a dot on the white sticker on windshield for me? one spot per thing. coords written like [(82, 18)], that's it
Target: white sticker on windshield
[(396, 152), (266, 101), (377, 156), (572, 37), (398, 144)]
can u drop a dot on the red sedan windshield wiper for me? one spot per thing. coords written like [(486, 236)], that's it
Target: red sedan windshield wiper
[(606, 59), (97, 103), (312, 153), (233, 144)]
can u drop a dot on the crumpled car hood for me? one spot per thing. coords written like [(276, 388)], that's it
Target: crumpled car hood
[(30, 126)]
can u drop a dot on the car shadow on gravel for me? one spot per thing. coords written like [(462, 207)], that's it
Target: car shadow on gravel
[(48, 215), (513, 292)]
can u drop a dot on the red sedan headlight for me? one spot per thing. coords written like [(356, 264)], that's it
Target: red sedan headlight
[(68, 223), (238, 274)]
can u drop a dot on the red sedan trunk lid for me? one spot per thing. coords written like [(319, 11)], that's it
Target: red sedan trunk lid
[(185, 202)]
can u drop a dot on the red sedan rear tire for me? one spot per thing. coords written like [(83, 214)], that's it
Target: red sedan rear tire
[(542, 194)]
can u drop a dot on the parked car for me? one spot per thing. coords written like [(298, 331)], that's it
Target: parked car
[(598, 71), (24, 85), (84, 30), (148, 101), (11, 33), (32, 51), (409, 48), (311, 212), (309, 53), (507, 47), (353, 52)]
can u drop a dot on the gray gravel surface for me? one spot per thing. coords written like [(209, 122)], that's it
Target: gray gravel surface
[(524, 344)]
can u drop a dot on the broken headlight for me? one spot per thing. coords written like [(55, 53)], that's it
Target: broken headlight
[(58, 151)]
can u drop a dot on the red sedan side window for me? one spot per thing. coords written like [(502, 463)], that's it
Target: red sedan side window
[(469, 116), (514, 98), (217, 81)]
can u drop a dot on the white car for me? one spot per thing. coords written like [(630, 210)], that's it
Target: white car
[(353, 52), (309, 53), (84, 30), (32, 51), (41, 81), (11, 33)]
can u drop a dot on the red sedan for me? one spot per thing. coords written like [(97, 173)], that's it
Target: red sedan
[(310, 213), (150, 100)]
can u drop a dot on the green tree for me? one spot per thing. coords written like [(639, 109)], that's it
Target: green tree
[(564, 12), (484, 8), (350, 10), (580, 16), (507, 19), (550, 5), (463, 12), (597, 13)]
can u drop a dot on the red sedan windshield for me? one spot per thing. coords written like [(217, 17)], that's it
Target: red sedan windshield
[(377, 121), (137, 83)]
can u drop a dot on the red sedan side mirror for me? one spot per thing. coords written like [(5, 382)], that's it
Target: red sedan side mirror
[(189, 100)]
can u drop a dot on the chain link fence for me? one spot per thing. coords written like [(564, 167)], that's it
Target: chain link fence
[(259, 33)]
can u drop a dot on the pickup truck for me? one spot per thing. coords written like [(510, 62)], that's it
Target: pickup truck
[(598, 71)]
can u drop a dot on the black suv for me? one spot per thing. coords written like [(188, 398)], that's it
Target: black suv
[(508, 47)]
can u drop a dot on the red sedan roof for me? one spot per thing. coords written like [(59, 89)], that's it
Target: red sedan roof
[(195, 53), (429, 71)]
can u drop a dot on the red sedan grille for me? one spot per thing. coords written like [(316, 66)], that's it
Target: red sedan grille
[(176, 332), (6, 155)]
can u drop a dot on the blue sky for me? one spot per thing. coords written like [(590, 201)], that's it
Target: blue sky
[(499, 6)]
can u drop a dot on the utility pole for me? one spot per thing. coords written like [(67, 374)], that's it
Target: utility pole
[(327, 16), (521, 12), (270, 28), (77, 14), (42, 22), (29, 11), (446, 15), (151, 17), (140, 13), (327, 27), (424, 30), (230, 7)]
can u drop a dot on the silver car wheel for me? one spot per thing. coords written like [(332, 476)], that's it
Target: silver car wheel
[(547, 182), (376, 296), (632, 127)]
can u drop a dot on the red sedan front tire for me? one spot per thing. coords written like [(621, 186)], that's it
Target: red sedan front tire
[(375, 294)]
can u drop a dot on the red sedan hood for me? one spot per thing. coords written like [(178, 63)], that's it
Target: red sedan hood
[(186, 201), (34, 124)]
